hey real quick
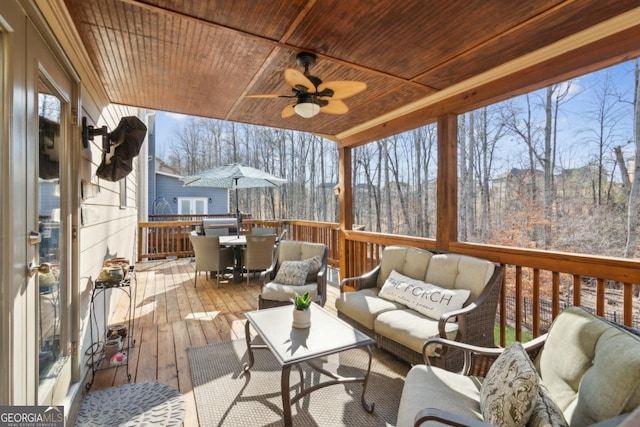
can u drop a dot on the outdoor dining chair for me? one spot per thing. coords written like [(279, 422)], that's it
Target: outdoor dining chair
[(258, 254), (210, 256), (263, 231)]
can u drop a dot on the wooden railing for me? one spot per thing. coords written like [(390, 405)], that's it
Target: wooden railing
[(534, 274), (547, 280), (162, 239), (318, 232)]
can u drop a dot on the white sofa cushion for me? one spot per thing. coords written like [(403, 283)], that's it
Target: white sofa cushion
[(430, 300), (453, 271), (412, 262), (364, 306), (431, 387), (410, 328)]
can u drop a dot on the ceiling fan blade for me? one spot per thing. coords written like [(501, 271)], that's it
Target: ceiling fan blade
[(335, 106), (295, 78), (288, 111), (265, 95), (343, 89)]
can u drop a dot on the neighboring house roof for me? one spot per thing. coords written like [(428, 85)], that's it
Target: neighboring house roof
[(164, 169)]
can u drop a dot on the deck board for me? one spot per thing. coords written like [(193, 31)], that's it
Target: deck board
[(170, 315)]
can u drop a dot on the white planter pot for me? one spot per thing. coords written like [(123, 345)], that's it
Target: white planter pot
[(301, 318)]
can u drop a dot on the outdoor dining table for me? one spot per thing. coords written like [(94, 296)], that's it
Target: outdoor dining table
[(236, 243)]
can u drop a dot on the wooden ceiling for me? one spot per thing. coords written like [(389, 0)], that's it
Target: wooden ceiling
[(419, 58)]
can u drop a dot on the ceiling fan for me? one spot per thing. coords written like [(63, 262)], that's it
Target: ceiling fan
[(312, 96)]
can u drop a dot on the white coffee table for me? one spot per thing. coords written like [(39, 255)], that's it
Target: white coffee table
[(327, 335)]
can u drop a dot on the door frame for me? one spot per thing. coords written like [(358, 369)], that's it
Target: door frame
[(22, 25)]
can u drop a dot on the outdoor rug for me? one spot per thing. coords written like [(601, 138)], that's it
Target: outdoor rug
[(135, 404), (225, 396)]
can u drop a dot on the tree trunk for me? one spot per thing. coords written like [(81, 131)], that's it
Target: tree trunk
[(632, 212)]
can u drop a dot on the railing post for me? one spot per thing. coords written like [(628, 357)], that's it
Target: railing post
[(345, 200), (447, 186)]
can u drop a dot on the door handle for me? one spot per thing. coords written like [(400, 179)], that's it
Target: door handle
[(44, 268), (34, 238)]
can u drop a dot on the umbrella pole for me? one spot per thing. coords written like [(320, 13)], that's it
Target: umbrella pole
[(238, 218)]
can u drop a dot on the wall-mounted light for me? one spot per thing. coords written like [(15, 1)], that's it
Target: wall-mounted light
[(210, 200), (88, 132), (175, 200)]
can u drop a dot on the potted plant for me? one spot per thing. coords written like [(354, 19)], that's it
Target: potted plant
[(301, 312)]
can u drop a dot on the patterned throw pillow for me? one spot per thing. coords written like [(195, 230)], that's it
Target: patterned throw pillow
[(546, 413), (509, 392), (315, 263), (292, 273)]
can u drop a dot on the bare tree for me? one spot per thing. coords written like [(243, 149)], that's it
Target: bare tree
[(605, 113), (632, 209)]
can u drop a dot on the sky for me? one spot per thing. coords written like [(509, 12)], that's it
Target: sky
[(167, 125)]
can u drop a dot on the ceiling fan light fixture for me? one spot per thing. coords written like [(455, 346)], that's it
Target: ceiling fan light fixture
[(306, 107)]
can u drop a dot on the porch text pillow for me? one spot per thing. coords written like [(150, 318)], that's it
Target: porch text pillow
[(425, 298), (509, 392), (292, 273)]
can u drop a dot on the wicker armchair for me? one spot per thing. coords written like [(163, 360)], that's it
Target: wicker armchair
[(475, 321), (581, 355), (275, 294)]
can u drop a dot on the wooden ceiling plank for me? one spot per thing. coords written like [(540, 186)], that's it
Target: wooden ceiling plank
[(554, 24), (298, 19), (611, 50)]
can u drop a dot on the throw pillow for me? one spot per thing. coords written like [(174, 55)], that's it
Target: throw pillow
[(425, 298), (315, 263), (292, 273), (509, 392), (546, 412)]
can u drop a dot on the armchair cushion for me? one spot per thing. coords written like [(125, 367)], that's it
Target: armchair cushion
[(274, 291), (426, 386), (292, 273), (591, 367), (546, 412), (425, 298), (509, 391)]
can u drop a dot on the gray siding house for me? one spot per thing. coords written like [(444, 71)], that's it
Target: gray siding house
[(168, 196)]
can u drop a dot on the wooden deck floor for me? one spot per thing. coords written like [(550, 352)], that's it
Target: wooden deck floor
[(171, 315)]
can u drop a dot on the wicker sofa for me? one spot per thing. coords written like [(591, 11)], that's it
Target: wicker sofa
[(402, 330), (585, 368)]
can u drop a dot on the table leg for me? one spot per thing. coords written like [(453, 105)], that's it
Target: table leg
[(247, 336), (286, 398), (367, 406), (237, 268)]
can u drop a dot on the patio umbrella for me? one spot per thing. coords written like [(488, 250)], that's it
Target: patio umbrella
[(233, 177)]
